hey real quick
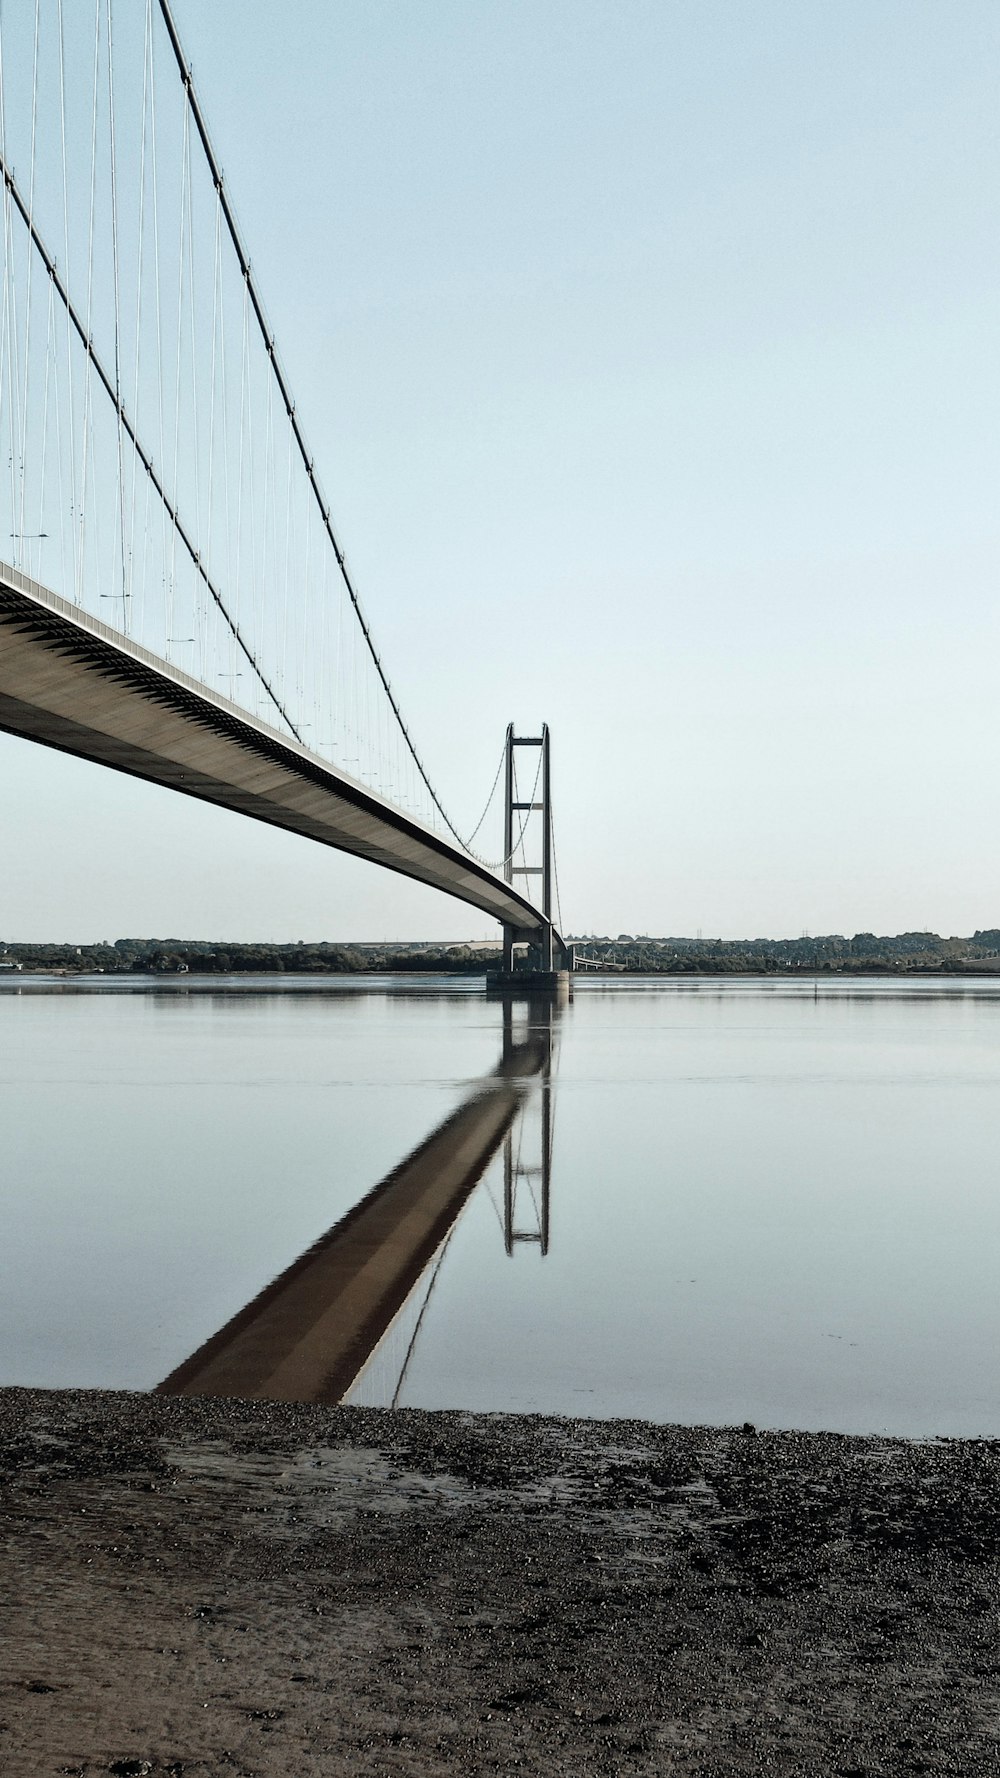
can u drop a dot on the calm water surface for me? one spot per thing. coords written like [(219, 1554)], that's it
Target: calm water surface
[(766, 1201)]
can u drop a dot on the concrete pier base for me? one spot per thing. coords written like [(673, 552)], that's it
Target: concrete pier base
[(554, 982)]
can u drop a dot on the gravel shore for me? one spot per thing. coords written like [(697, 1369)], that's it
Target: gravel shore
[(190, 1586)]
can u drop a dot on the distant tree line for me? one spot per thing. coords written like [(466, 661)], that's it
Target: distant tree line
[(174, 956), (864, 954)]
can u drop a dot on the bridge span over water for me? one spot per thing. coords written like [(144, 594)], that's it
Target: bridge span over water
[(73, 683), (177, 604)]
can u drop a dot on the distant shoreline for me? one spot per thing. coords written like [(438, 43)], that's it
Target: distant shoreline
[(146, 978), (866, 954)]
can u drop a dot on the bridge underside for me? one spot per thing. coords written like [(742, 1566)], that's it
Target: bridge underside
[(70, 682)]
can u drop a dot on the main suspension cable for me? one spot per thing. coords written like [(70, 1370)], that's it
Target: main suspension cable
[(489, 799), (267, 336)]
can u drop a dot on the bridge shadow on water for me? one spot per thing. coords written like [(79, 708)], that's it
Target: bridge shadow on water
[(312, 1333)]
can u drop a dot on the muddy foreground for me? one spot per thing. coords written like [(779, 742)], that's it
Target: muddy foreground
[(201, 1587)]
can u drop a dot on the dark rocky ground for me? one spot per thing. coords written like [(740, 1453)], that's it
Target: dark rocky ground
[(202, 1587)]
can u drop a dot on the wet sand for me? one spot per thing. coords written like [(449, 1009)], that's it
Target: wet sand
[(191, 1586)]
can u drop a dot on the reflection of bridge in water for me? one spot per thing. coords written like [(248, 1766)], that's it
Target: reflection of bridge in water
[(311, 1333)]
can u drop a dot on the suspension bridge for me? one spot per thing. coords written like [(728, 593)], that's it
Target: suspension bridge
[(177, 604)]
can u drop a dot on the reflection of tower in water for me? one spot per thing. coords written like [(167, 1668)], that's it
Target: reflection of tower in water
[(527, 1146)]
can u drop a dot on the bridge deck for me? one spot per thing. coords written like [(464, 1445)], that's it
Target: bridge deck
[(73, 683)]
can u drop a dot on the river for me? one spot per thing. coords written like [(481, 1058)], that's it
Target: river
[(772, 1201)]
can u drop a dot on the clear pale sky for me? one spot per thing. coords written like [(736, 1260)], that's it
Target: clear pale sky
[(650, 356)]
